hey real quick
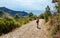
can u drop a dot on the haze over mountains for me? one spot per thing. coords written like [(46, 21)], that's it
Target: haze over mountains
[(35, 12), (13, 12), (21, 13)]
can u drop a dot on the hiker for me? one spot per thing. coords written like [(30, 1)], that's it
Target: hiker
[(37, 21)]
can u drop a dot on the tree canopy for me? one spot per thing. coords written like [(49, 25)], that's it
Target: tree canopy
[(58, 5)]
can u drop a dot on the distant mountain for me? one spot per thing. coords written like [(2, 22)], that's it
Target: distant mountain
[(35, 12), (12, 12), (38, 12)]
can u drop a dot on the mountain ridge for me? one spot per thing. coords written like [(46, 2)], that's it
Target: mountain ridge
[(13, 12)]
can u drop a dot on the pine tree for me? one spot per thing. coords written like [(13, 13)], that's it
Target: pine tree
[(47, 13), (58, 5)]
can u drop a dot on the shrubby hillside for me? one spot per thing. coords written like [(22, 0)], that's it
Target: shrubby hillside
[(8, 22)]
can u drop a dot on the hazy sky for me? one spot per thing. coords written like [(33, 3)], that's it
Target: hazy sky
[(26, 4)]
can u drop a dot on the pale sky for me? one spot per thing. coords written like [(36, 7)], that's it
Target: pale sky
[(26, 4)]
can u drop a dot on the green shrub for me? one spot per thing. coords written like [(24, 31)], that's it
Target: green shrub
[(55, 30), (24, 20), (41, 16), (6, 25)]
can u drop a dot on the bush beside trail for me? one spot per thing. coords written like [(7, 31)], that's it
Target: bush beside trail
[(6, 25)]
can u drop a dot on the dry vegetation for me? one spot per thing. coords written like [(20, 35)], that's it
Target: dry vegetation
[(53, 27)]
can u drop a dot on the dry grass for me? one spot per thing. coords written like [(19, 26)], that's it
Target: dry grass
[(51, 26)]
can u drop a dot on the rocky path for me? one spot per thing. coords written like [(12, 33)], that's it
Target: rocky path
[(28, 31)]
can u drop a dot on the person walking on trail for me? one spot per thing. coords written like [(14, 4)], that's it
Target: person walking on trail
[(37, 21)]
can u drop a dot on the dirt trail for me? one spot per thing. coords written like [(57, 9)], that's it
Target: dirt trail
[(28, 31)]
